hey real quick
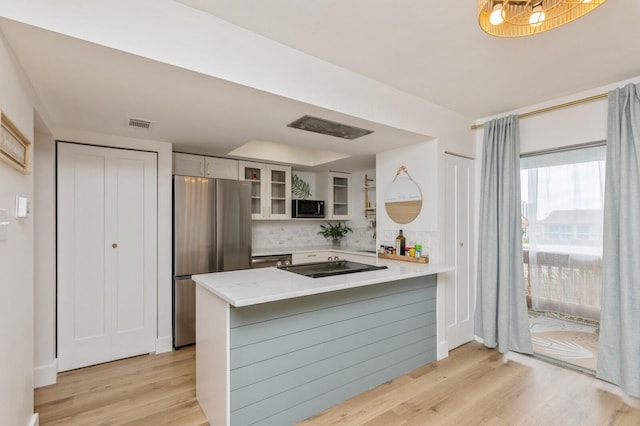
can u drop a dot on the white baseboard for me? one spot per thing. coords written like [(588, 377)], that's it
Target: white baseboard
[(442, 350), (164, 344), (34, 420), (45, 374)]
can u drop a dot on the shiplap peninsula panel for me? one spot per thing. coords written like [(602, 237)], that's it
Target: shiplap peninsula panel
[(293, 358)]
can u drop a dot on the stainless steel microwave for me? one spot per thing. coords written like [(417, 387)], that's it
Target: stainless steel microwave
[(307, 208)]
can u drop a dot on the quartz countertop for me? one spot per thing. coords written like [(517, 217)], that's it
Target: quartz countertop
[(254, 286)]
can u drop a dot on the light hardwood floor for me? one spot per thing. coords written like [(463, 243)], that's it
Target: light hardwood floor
[(144, 390), (474, 386)]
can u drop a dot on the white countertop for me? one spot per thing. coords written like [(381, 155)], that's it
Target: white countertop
[(254, 286)]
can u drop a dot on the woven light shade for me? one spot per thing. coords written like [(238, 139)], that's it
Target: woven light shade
[(519, 18)]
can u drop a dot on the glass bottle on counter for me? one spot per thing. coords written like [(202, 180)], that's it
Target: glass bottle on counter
[(400, 244)]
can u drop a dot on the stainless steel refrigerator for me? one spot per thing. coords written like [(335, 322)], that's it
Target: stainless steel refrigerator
[(211, 233)]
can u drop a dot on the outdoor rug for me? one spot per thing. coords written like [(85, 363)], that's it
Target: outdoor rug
[(565, 340)]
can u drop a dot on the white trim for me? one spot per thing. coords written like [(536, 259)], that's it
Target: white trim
[(164, 344), (442, 350), (442, 345), (34, 420), (45, 374)]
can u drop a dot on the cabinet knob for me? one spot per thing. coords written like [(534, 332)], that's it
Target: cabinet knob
[(114, 245), (461, 244)]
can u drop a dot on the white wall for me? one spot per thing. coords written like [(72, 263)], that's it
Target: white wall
[(176, 34), (16, 258), (44, 215), (579, 124), (422, 163)]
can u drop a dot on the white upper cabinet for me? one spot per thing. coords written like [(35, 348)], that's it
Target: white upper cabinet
[(199, 165), (222, 168), (270, 189), (337, 196), (188, 164)]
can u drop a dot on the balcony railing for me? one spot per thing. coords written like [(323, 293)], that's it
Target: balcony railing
[(562, 282)]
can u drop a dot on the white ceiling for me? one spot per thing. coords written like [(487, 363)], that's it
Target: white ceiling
[(435, 49), (422, 48)]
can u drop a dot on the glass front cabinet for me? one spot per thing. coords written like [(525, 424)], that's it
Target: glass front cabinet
[(337, 195), (270, 189)]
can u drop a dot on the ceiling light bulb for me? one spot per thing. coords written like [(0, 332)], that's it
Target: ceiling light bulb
[(537, 17), (496, 17)]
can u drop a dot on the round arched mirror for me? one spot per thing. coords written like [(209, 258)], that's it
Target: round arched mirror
[(403, 198)]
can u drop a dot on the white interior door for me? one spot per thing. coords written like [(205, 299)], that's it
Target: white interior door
[(460, 285), (107, 254), (134, 261)]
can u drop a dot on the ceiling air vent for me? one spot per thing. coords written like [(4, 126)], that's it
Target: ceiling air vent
[(326, 127), (141, 124)]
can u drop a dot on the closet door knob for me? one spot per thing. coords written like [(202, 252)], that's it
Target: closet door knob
[(114, 245)]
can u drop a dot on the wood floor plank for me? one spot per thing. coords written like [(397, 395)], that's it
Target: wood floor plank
[(473, 386), (478, 386), (149, 389)]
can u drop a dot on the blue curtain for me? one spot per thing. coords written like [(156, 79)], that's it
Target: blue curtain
[(619, 343), (501, 317)]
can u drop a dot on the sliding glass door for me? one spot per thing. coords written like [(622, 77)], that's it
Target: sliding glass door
[(562, 212)]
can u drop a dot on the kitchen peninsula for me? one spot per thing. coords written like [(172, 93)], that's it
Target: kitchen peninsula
[(275, 347)]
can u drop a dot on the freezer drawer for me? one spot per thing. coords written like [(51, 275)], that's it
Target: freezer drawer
[(184, 312)]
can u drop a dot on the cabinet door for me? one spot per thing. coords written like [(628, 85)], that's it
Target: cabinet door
[(270, 189), (188, 164), (279, 192), (340, 195), (255, 173), (107, 254), (221, 168)]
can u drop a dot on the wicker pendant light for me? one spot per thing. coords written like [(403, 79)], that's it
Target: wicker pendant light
[(519, 18)]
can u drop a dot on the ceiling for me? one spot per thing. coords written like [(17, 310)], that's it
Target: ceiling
[(435, 49), (429, 49)]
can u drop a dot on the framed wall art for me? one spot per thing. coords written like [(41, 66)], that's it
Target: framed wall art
[(15, 148)]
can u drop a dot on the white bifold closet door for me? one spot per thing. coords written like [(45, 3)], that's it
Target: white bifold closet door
[(106, 254), (459, 242)]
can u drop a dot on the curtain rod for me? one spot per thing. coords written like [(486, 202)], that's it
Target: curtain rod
[(552, 108)]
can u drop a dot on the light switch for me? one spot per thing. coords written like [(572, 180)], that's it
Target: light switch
[(4, 225), (22, 207)]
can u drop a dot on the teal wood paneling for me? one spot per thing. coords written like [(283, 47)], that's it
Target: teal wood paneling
[(318, 332), (265, 311), (273, 366), (256, 332), (318, 370), (294, 358), (329, 399)]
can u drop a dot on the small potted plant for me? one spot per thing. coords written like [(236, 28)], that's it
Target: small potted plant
[(335, 232)]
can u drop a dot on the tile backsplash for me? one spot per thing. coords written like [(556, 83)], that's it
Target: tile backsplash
[(267, 234), (274, 234)]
